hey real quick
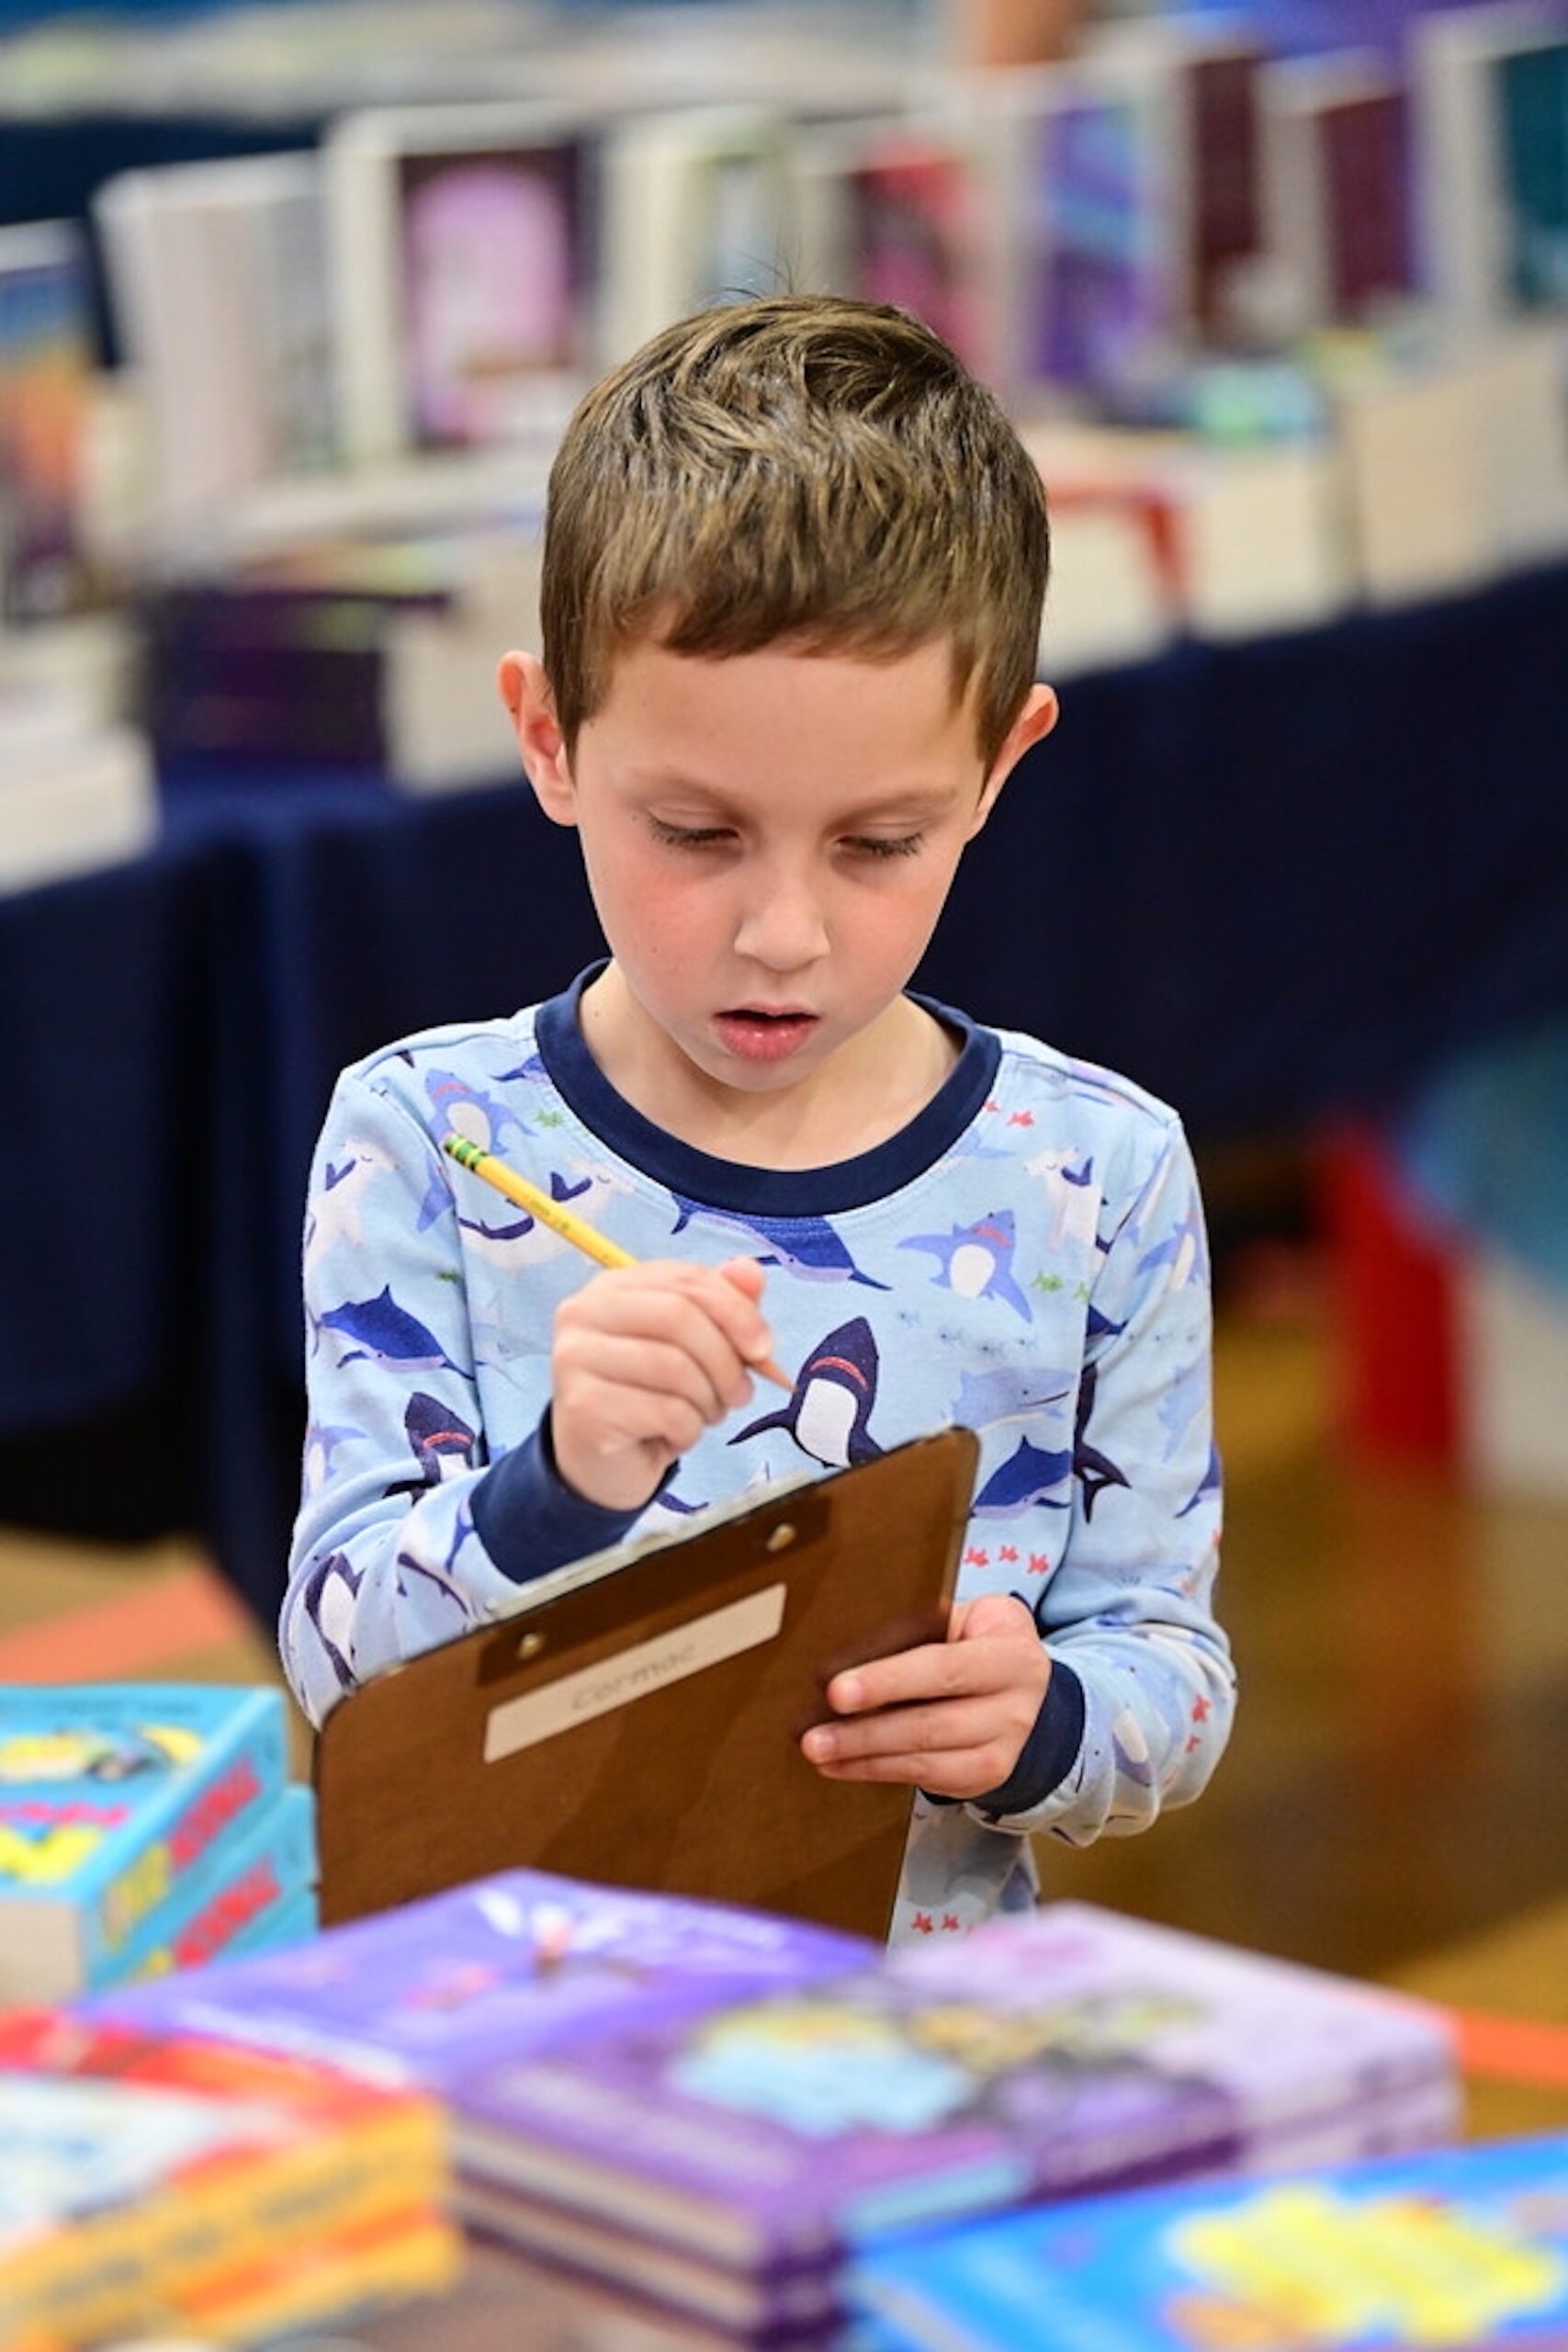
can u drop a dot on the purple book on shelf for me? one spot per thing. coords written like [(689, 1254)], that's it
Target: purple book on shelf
[(1047, 2055), (505, 1966)]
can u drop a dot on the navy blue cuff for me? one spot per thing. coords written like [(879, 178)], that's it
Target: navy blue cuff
[(530, 1521), (1049, 1753)]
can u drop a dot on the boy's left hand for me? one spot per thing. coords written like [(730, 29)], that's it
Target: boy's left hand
[(950, 1717)]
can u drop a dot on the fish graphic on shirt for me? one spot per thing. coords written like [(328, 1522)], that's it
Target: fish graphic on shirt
[(1209, 1483), (328, 1599), (323, 1440), (832, 1403), (1072, 1198), (986, 1398), (385, 1332), (1030, 1475), (807, 1246), (441, 1440), (338, 1209), (1093, 1470), (484, 1119), (977, 1259), (522, 1239)]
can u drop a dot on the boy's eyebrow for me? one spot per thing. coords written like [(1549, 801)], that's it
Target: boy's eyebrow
[(907, 803)]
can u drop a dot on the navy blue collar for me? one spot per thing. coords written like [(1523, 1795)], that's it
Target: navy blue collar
[(767, 1192)]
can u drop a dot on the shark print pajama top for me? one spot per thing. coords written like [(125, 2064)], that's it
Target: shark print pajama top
[(1026, 1257)]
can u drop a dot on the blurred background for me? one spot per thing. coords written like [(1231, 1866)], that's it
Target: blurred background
[(294, 299)]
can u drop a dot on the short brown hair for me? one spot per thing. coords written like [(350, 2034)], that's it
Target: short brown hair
[(801, 468)]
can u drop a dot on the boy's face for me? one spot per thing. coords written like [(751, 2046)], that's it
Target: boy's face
[(768, 838)]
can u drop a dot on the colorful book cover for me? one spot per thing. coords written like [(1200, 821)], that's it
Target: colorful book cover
[(289, 1922), (520, 1962), (1463, 2246), (247, 1879), (1284, 2044), (133, 2165), (46, 372), (913, 233), (779, 2132), (1530, 95), (1050, 2053), (410, 2252), (1099, 300), (492, 258), (1225, 191), (110, 1793)]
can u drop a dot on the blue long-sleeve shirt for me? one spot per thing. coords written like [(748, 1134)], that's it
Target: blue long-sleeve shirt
[(1027, 1258)]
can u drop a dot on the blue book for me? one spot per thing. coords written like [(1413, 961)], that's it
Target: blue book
[(1458, 2246), (234, 1898), (110, 1793), (294, 1921)]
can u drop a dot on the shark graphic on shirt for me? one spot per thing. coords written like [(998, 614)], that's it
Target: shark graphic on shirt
[(977, 1259), (1093, 1470), (467, 1110), (830, 1405), (441, 1443)]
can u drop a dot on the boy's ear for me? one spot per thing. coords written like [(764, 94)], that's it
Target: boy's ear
[(531, 708), (1033, 723)]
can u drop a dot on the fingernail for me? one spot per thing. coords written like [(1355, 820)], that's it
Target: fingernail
[(847, 1694)]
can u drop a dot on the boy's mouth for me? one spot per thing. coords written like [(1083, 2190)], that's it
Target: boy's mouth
[(756, 1035)]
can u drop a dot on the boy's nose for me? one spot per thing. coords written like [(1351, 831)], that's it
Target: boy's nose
[(783, 929)]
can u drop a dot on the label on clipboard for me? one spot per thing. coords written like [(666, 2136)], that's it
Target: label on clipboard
[(631, 1674)]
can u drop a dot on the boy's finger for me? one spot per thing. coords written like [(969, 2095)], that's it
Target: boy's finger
[(936, 1670)]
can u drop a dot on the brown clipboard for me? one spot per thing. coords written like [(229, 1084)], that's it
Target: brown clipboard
[(640, 1727)]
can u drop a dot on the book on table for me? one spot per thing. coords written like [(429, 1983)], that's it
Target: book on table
[(464, 251), (111, 1794), (254, 1887), (1048, 2055), (147, 2179), (638, 1719), (520, 1962), (1463, 2246)]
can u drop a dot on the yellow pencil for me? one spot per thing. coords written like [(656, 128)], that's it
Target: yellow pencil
[(575, 1229)]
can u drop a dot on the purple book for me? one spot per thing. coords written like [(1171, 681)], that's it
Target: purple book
[(521, 1962), (1065, 2051), (1288, 2046), (779, 2133)]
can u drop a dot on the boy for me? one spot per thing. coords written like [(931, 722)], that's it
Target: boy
[(793, 570)]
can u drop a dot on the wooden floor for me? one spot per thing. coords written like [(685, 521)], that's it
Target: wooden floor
[(1393, 1801)]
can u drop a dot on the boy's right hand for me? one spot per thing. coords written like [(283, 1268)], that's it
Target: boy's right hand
[(644, 1357)]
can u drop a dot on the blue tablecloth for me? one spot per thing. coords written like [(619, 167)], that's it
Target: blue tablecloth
[(1275, 881)]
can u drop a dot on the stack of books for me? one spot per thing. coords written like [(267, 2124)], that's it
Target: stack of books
[(724, 2151), (144, 1828), (203, 2189), (1463, 2246)]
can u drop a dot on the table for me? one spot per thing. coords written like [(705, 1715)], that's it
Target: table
[(1276, 881)]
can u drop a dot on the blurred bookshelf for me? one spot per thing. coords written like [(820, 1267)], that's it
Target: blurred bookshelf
[(294, 300)]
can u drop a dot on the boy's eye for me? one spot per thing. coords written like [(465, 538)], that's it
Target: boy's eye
[(885, 844), (688, 836)]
